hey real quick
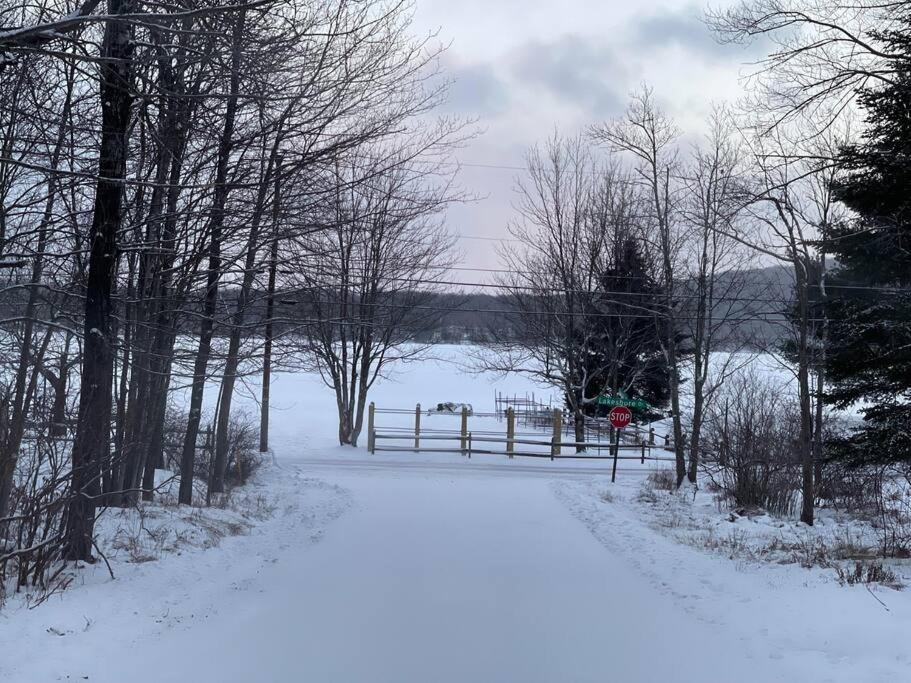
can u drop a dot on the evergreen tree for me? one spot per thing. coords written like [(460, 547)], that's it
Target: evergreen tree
[(622, 336), (869, 356)]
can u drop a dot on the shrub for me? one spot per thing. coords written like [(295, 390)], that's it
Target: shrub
[(750, 437), (31, 533), (646, 494), (663, 480), (893, 519), (244, 457), (850, 489), (175, 427), (865, 573)]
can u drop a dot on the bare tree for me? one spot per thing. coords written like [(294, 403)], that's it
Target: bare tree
[(789, 205), (552, 279), (392, 79), (648, 137), (579, 316), (269, 330), (92, 440), (226, 147), (367, 275), (30, 357), (823, 53), (714, 266)]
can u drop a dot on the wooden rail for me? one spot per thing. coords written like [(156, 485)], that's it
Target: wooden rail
[(636, 446)]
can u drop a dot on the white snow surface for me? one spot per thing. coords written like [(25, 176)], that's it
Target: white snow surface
[(408, 567)]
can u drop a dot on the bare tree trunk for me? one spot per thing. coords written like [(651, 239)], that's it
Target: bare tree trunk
[(178, 124), (129, 470), (232, 362), (695, 435), (194, 417), (805, 396), (362, 387), (223, 419), (92, 440), (226, 145), (270, 309), (701, 358), (679, 445), (126, 476), (58, 412), (158, 402), (113, 487), (820, 363), (358, 417), (662, 208)]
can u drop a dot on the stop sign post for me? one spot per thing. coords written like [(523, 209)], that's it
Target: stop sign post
[(620, 417)]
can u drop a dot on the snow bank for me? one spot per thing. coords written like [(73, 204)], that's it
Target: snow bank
[(184, 588), (731, 574)]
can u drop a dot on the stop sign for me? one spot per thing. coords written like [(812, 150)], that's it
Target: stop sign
[(620, 417)]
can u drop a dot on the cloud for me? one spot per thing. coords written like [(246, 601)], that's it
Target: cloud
[(684, 28), (476, 90), (574, 69)]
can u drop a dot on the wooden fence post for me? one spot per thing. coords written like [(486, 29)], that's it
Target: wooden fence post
[(558, 433), (651, 436), (417, 428), (643, 452), (464, 434), (371, 435), (510, 431)]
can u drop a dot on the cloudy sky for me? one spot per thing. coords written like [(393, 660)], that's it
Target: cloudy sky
[(524, 67)]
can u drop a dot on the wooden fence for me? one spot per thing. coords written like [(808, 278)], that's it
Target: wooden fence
[(532, 412), (633, 443)]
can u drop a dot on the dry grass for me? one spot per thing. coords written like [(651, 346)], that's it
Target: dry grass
[(663, 480), (148, 531)]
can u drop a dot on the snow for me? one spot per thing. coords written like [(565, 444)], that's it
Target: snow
[(92, 631), (429, 567), (786, 619)]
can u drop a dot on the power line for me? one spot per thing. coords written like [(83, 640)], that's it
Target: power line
[(496, 167), (571, 314), (745, 282), (602, 292), (486, 239)]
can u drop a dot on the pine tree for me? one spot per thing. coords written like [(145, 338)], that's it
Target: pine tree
[(621, 336), (869, 356)]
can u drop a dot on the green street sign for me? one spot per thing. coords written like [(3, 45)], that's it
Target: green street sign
[(614, 401)]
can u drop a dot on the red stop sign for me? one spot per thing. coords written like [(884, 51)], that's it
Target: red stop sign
[(620, 417)]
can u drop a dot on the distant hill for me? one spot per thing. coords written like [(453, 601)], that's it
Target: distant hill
[(758, 313)]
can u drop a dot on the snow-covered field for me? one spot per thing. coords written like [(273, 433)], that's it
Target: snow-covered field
[(336, 565)]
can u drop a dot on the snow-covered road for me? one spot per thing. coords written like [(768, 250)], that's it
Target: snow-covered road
[(432, 574), (450, 577), (372, 571)]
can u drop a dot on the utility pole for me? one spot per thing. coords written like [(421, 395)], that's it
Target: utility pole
[(270, 307)]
